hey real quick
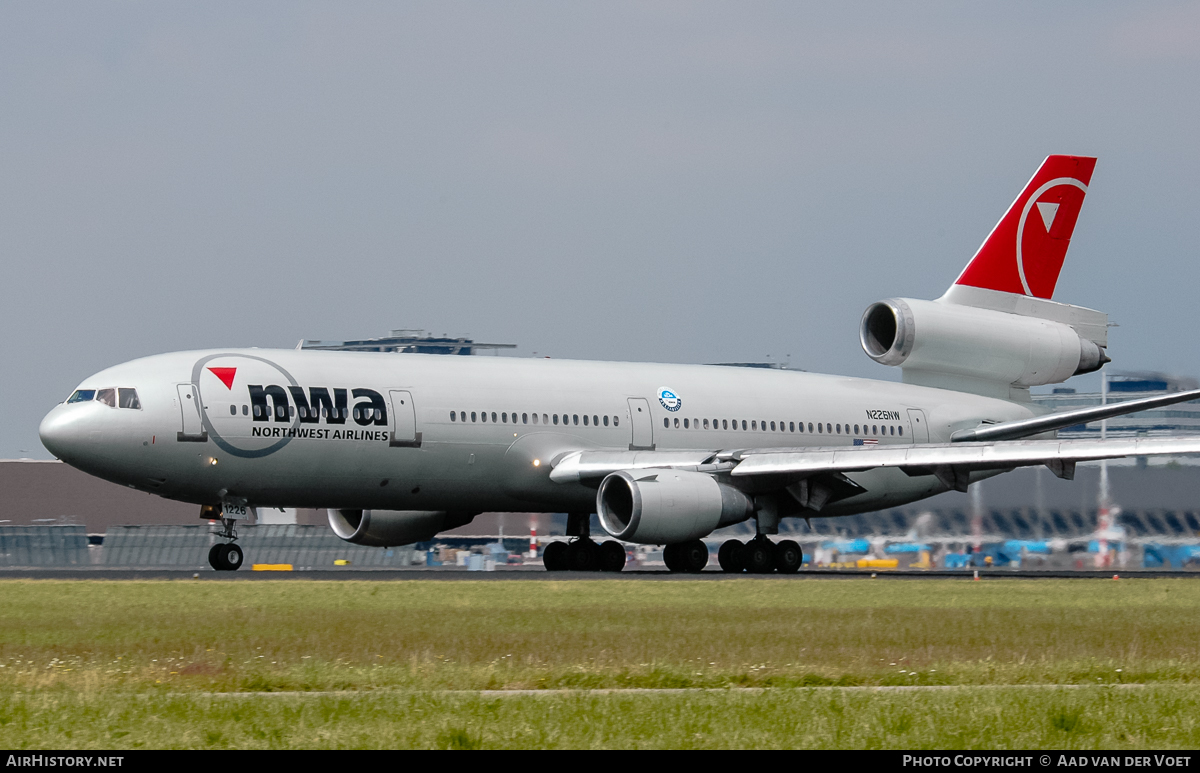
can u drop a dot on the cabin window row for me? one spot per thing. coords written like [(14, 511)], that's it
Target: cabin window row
[(575, 419), (282, 412), (754, 425)]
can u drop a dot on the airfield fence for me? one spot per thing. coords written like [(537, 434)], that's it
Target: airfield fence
[(304, 547), (1014, 523), (44, 546), (186, 547)]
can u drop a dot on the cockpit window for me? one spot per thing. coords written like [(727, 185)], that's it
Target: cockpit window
[(107, 396), (82, 396), (128, 398)]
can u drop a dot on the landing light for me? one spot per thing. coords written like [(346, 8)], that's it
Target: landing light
[(212, 461), (537, 462)]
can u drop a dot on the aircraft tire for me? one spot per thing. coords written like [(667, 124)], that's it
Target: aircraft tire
[(612, 556), (233, 557), (583, 556), (554, 557), (670, 558), (214, 556), (693, 556), (731, 556), (760, 556), (788, 557)]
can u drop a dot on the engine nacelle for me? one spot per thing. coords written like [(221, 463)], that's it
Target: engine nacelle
[(662, 507), (976, 343), (388, 528)]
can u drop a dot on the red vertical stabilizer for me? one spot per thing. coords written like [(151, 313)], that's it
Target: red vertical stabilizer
[(1024, 252)]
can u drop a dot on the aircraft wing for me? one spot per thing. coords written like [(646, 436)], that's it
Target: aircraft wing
[(1011, 430), (950, 462)]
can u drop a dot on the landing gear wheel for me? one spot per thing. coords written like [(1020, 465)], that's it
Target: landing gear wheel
[(759, 554), (788, 557), (692, 556), (612, 556), (583, 556), (225, 557), (731, 556), (671, 558), (554, 557)]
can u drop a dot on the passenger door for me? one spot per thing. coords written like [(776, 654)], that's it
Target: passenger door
[(920, 430), (642, 425), (404, 421), (192, 427)]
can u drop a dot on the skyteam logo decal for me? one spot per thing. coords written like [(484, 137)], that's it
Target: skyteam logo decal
[(669, 399)]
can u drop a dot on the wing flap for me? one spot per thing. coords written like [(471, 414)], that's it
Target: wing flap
[(590, 465)]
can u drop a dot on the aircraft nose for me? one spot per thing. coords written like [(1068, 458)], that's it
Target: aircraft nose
[(61, 432)]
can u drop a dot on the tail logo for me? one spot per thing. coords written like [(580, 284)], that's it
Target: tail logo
[(1024, 253), (1047, 211), (1041, 246)]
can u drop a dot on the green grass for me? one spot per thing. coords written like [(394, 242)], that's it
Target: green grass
[(141, 660), (969, 718)]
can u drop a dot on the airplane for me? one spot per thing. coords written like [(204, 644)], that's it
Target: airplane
[(400, 447)]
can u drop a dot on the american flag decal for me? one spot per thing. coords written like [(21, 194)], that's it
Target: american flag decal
[(866, 441)]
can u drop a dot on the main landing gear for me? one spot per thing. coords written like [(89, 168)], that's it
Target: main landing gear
[(760, 556), (584, 555), (226, 556), (689, 557)]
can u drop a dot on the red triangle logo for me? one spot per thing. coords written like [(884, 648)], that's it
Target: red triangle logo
[(225, 374)]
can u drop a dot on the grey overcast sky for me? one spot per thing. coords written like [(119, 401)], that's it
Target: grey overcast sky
[(670, 181)]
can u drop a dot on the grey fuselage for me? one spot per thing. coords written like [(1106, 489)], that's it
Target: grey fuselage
[(376, 430)]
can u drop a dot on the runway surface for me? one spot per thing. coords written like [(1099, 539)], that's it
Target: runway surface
[(536, 573), (584, 692)]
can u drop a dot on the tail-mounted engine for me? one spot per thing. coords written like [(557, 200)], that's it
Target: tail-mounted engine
[(934, 339)]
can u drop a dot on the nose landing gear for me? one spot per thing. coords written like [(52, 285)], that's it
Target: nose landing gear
[(225, 556)]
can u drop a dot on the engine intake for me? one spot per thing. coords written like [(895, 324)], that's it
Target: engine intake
[(388, 528), (662, 507), (977, 343)]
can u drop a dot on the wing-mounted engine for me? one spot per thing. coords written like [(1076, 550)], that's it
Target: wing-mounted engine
[(665, 506), (945, 344), (389, 528)]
